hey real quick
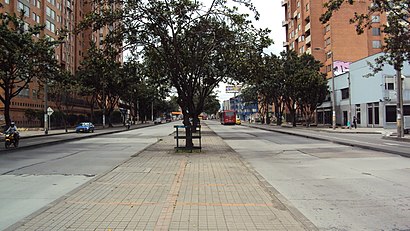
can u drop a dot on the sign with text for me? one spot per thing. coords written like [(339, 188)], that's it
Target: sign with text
[(233, 88)]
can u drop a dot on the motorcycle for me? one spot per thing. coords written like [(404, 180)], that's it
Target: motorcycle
[(10, 139)]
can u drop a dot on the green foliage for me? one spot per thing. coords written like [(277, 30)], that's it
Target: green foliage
[(212, 105), (23, 57), (185, 44), (291, 80)]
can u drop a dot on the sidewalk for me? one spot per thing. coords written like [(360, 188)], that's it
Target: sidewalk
[(159, 189)]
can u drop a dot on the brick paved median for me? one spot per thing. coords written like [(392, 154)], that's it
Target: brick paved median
[(163, 190)]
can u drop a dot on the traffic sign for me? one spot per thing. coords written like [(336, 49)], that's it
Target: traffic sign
[(49, 111)]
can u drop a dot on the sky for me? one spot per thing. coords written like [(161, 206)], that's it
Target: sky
[(271, 15)]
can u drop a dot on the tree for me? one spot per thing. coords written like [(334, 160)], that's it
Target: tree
[(101, 76), (212, 105), (63, 88), (313, 87), (397, 40), (194, 47), (24, 58), (304, 85)]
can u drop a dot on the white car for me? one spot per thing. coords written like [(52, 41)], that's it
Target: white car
[(158, 120)]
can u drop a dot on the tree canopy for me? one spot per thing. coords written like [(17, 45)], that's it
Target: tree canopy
[(193, 46), (24, 57)]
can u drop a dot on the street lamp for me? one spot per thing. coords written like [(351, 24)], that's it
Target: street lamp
[(333, 97)]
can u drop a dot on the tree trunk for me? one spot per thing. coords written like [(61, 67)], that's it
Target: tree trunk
[(188, 131), (293, 116), (7, 111)]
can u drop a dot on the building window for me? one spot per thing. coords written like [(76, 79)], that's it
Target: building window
[(53, 2), (329, 55), (375, 18), (298, 4), (307, 7), (23, 7), (7, 1), (345, 93), (298, 15), (377, 44), (376, 31), (38, 4), (328, 68), (327, 42), (389, 86), (51, 13), (50, 26), (25, 93), (327, 28)]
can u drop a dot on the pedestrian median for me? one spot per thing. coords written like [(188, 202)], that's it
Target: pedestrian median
[(160, 189)]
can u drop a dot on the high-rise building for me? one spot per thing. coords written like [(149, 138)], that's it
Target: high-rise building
[(335, 41), (55, 15)]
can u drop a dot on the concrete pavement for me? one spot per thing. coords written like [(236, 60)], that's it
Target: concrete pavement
[(158, 189), (322, 133)]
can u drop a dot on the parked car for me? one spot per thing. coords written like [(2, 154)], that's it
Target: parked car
[(84, 127)]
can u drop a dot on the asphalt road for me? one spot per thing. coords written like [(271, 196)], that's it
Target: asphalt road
[(33, 177), (335, 186), (368, 141)]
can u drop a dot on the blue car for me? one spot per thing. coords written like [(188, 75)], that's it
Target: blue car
[(84, 127)]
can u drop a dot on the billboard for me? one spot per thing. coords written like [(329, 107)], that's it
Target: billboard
[(233, 88)]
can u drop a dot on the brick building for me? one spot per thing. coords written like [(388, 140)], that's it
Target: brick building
[(55, 14), (336, 40)]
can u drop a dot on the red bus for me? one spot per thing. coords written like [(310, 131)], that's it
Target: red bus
[(227, 117)]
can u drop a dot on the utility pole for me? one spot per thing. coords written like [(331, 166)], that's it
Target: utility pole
[(349, 113), (399, 106), (333, 97), (45, 108)]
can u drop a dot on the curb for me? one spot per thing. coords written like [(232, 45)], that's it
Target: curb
[(66, 140), (404, 154)]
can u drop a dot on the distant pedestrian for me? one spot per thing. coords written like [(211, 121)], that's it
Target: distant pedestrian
[(354, 122)]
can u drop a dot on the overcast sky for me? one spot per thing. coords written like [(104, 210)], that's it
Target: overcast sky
[(271, 15)]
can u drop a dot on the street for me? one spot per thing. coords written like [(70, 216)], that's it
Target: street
[(32, 178), (337, 187)]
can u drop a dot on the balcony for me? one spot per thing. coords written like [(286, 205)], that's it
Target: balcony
[(284, 2), (308, 39), (285, 23), (295, 14), (307, 27), (309, 51), (285, 44)]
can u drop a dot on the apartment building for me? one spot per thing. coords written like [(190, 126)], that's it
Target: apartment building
[(55, 14), (335, 43)]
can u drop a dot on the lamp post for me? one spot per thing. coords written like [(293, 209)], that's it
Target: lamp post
[(333, 96)]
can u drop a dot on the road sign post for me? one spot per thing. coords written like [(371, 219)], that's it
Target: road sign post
[(49, 113)]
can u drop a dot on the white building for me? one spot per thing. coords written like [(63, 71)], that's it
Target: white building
[(371, 99)]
